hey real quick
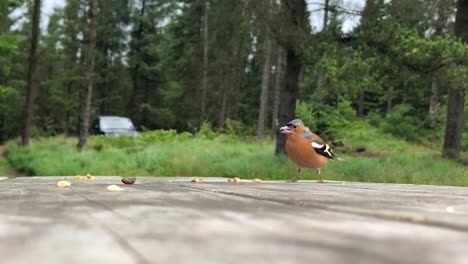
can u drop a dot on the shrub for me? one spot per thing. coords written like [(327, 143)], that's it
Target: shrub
[(237, 128), (402, 122), (99, 143), (326, 119), (206, 131)]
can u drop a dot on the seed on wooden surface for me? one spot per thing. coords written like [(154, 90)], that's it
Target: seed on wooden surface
[(114, 188), (63, 184), (235, 179), (128, 180), (198, 179)]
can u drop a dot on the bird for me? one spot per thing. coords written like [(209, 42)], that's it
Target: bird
[(305, 149)]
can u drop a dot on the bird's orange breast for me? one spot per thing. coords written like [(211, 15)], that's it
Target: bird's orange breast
[(301, 152)]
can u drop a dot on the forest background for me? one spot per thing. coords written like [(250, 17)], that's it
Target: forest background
[(239, 68)]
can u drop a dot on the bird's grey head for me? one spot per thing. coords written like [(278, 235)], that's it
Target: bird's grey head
[(296, 121), (288, 128)]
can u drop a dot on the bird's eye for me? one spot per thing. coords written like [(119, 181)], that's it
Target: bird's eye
[(294, 126)]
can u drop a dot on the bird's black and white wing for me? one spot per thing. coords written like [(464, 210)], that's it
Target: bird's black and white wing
[(318, 144), (323, 149)]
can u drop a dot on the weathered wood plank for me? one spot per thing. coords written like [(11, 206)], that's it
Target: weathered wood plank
[(431, 205), (171, 220)]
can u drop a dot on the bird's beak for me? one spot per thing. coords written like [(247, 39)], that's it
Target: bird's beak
[(285, 130)]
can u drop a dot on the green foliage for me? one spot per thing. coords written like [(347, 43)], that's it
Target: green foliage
[(362, 134), (236, 128), (387, 59), (402, 122), (8, 44), (162, 118), (146, 138), (206, 131), (328, 120)]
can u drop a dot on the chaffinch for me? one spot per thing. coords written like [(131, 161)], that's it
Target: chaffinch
[(306, 149)]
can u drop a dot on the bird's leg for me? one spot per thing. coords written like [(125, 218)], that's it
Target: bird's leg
[(294, 179), (320, 176)]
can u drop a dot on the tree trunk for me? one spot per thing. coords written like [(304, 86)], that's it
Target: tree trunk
[(456, 97), (205, 64), (435, 83), (295, 24), (325, 15), (263, 111), (88, 77), (71, 49), (2, 124), (236, 75), (102, 91), (32, 74), (132, 104), (321, 76), (279, 83), (319, 86), (454, 126), (361, 104), (288, 96), (434, 101), (224, 102), (389, 100), (66, 129)]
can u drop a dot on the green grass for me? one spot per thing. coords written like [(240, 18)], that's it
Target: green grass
[(176, 156), (165, 153), (3, 167)]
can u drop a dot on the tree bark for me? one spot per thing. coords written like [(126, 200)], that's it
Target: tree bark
[(132, 106), (456, 96), (325, 15), (32, 74), (361, 104), (434, 101), (236, 75), (319, 85), (295, 24), (288, 96), (321, 75), (2, 124), (88, 77), (71, 49), (440, 24), (224, 101), (205, 64), (454, 125), (279, 83), (263, 111), (389, 100)]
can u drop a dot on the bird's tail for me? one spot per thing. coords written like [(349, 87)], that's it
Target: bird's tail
[(339, 159)]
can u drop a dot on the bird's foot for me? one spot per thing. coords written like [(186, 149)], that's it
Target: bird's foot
[(320, 181), (292, 180)]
